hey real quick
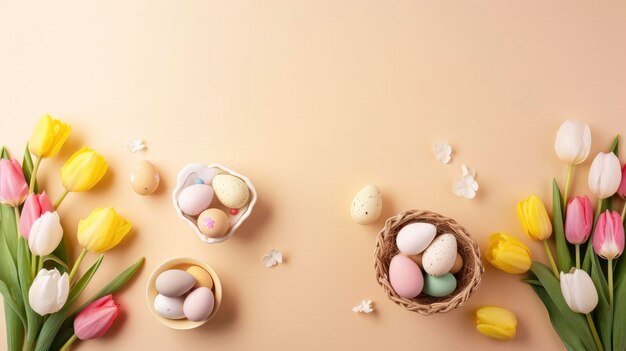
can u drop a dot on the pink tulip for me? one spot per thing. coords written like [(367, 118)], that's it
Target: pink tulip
[(34, 206), (621, 191), (13, 187), (608, 238), (96, 319), (578, 220)]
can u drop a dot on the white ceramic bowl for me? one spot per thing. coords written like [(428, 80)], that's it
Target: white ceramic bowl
[(181, 263), (188, 175)]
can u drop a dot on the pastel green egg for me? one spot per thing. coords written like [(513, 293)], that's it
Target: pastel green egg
[(439, 286)]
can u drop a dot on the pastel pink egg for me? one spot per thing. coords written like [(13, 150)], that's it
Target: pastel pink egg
[(405, 277)]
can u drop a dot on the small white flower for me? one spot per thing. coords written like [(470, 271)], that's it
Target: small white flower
[(443, 152), (466, 186), (272, 258), (364, 307), (134, 145)]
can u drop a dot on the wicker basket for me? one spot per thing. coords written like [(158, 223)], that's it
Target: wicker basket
[(468, 279)]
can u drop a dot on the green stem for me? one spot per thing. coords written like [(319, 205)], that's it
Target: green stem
[(33, 175), (598, 209), (33, 267), (550, 258), (69, 343), (577, 255), (78, 261), (60, 199), (40, 263), (570, 171), (610, 274), (624, 212), (594, 332)]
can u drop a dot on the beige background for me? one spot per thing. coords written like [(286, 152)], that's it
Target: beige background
[(312, 100)]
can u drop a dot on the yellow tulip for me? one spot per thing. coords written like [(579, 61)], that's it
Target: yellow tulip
[(496, 322), (102, 230), (83, 170), (48, 137), (508, 254), (534, 218)]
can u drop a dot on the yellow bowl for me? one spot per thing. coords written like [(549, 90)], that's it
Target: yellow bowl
[(181, 263)]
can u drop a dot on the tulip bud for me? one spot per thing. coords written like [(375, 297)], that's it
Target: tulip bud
[(608, 238), (578, 220), (13, 187), (83, 170), (49, 291), (605, 175), (621, 190), (578, 290), (573, 142), (34, 206), (508, 254), (496, 322), (534, 218), (48, 137), (96, 319), (102, 230), (45, 234)]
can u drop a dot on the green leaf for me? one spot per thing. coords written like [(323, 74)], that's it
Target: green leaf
[(113, 287), (23, 270), (10, 302), (58, 262), (615, 146), (603, 313), (562, 250), (565, 330), (61, 253), (575, 320), (14, 329), (27, 167), (532, 282), (53, 324), (619, 323)]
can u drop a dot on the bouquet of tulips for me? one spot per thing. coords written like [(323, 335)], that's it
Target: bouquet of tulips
[(584, 288), (39, 284)]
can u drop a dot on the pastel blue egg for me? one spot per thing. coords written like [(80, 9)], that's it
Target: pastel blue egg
[(199, 181), (439, 286)]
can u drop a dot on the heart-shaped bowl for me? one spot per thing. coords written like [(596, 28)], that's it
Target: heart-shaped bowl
[(181, 263), (188, 176)]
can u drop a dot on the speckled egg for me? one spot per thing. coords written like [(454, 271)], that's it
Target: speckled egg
[(231, 191), (439, 257), (203, 278), (195, 198), (199, 304), (414, 238), (367, 205), (169, 307), (174, 282), (145, 179), (439, 286), (405, 277), (213, 223)]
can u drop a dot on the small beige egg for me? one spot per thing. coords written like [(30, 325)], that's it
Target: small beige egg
[(458, 264), (145, 179), (213, 223), (439, 257), (203, 278), (367, 205), (231, 191)]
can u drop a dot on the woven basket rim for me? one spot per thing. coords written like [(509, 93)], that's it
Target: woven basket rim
[(469, 277)]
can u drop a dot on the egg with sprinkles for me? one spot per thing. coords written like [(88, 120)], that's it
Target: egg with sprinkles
[(213, 223)]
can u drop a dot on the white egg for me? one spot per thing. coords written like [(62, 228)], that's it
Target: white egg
[(169, 307), (231, 191), (414, 238), (439, 257), (367, 205)]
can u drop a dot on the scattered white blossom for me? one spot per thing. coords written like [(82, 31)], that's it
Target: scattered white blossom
[(364, 307), (134, 145), (443, 152), (466, 186), (272, 258)]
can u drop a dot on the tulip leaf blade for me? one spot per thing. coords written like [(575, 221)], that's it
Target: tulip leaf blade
[(27, 168), (54, 322), (553, 289), (564, 256), (26, 280), (619, 324), (615, 145), (14, 329), (113, 287), (564, 330)]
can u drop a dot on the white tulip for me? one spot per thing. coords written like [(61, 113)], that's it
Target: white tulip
[(45, 234), (49, 291), (573, 142), (578, 291), (605, 175)]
